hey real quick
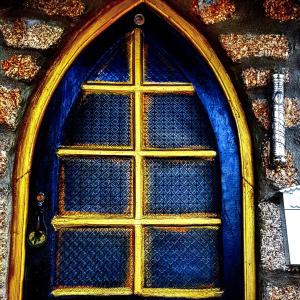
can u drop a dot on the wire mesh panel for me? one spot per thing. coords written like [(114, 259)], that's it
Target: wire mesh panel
[(101, 119), (159, 67), (114, 64), (176, 121), (98, 257), (96, 185), (182, 257), (181, 186)]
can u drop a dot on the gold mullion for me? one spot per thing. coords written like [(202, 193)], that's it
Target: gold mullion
[(186, 88), (139, 259), (185, 293), (138, 122), (137, 57), (91, 291), (59, 222), (94, 87), (138, 187), (139, 252), (179, 153), (94, 151), (69, 151)]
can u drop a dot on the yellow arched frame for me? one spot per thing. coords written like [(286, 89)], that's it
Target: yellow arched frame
[(42, 96)]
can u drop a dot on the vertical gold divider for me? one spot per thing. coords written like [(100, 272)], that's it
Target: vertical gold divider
[(139, 260), (138, 257), (138, 187), (137, 57), (138, 123)]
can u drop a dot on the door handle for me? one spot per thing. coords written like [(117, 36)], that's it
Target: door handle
[(38, 236)]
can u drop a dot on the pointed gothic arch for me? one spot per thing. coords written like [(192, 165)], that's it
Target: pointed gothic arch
[(94, 27)]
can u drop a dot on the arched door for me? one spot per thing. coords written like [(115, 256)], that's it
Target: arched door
[(137, 165)]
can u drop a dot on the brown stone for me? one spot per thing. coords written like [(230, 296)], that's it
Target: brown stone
[(271, 245), (292, 112), (260, 109), (4, 236), (3, 163), (13, 32), (21, 67), (218, 11), (37, 36), (262, 113), (282, 10), (67, 8), (10, 100), (256, 78), (287, 292), (280, 177), (239, 46)]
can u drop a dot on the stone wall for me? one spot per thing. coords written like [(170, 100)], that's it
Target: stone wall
[(251, 38)]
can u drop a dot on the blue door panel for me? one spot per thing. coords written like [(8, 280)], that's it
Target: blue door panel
[(40, 262)]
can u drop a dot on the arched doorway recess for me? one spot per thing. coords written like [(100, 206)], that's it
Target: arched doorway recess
[(34, 116)]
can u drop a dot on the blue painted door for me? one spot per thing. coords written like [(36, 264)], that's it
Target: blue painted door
[(138, 160)]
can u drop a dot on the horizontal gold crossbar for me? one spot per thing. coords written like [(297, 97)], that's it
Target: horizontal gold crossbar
[(91, 291), (180, 153), (80, 221), (158, 292), (97, 88), (89, 151), (185, 293)]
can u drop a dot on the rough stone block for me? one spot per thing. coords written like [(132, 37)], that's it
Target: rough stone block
[(10, 100), (34, 35), (21, 67), (256, 78), (272, 250), (292, 112), (3, 163), (239, 46), (67, 8), (281, 177), (286, 292), (253, 78), (282, 10), (214, 11), (4, 235), (261, 111)]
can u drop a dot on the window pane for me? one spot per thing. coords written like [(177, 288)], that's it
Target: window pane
[(181, 257), (99, 257), (101, 119), (100, 185), (176, 121), (114, 64), (181, 186), (159, 67)]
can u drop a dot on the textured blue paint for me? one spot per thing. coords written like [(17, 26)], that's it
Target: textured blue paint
[(159, 67), (100, 257), (182, 186), (177, 121), (178, 258), (114, 64), (101, 185), (100, 120)]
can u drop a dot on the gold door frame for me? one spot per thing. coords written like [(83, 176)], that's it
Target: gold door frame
[(42, 96)]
